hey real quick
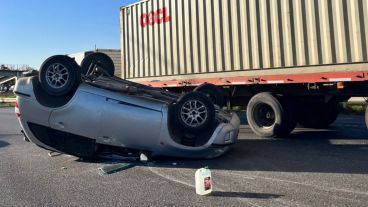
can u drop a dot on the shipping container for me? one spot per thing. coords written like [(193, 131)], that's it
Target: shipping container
[(165, 38), (305, 50)]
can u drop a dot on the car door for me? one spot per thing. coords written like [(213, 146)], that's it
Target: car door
[(81, 116), (130, 121)]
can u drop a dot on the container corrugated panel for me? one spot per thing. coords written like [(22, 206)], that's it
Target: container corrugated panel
[(178, 37)]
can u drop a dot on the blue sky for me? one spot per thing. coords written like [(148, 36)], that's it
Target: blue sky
[(32, 30)]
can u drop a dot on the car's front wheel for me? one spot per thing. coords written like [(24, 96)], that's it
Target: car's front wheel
[(194, 112), (213, 92), (59, 75)]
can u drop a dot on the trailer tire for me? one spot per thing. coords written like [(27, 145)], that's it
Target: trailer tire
[(59, 75), (288, 105), (194, 112), (267, 116), (318, 116), (100, 59), (214, 93)]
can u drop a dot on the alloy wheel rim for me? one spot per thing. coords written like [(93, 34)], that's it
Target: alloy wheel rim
[(194, 113), (57, 75)]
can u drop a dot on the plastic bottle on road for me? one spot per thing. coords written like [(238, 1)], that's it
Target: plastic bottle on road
[(203, 181)]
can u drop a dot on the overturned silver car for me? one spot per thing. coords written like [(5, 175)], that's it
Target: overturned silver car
[(84, 111)]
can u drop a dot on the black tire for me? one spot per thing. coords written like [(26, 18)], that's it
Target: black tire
[(214, 93), (101, 59), (201, 115), (267, 117), (289, 107), (59, 75), (318, 115)]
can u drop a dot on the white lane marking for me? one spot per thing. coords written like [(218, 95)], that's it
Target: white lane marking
[(327, 189), (170, 178), (309, 185)]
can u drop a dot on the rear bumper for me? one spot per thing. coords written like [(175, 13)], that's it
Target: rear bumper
[(228, 133)]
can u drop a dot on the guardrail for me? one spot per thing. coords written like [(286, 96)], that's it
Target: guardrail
[(7, 100)]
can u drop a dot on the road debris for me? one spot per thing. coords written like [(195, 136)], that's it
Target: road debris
[(203, 181), (114, 168), (54, 154), (143, 157)]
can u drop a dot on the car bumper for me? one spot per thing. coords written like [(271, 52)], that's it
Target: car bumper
[(228, 132), (225, 135)]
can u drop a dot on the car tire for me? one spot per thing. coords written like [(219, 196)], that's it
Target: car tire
[(59, 75), (318, 115), (101, 59), (194, 112), (267, 116), (214, 93)]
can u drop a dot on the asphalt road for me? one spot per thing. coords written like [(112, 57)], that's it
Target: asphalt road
[(310, 168)]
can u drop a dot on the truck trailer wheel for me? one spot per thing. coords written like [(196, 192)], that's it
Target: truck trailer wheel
[(59, 75), (268, 117), (194, 112), (289, 107), (213, 92), (318, 115)]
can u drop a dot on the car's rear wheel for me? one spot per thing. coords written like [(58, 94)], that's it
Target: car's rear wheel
[(59, 75), (98, 59), (194, 112), (214, 93)]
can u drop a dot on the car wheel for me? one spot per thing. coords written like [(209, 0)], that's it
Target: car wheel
[(214, 93), (59, 75), (267, 117), (100, 59), (194, 112)]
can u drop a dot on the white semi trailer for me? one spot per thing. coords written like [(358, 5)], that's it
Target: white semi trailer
[(287, 61)]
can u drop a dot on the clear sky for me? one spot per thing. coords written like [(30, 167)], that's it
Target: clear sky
[(32, 30)]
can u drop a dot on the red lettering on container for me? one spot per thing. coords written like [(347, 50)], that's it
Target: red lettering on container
[(155, 17)]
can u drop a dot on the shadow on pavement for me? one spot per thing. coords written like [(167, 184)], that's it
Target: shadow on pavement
[(337, 150), (3, 144), (326, 151), (244, 195)]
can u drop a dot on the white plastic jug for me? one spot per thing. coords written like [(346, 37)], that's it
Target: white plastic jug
[(203, 181)]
